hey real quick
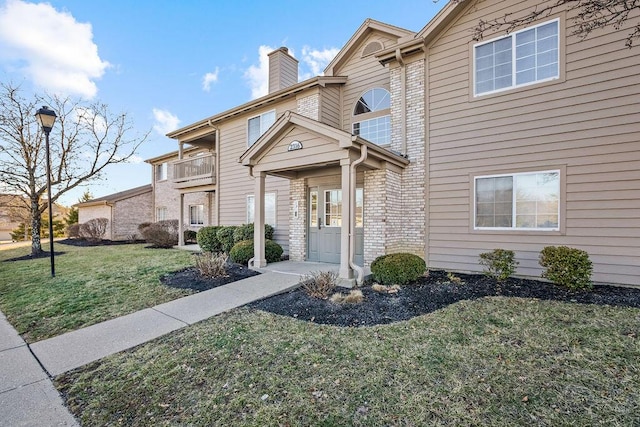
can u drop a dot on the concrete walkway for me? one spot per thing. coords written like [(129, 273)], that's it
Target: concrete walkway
[(27, 396)]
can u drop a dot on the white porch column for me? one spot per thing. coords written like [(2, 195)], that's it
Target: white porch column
[(181, 222), (258, 221), (345, 270)]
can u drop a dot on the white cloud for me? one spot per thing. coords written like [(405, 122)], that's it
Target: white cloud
[(258, 75), (89, 118), (165, 121), (210, 78), (316, 60), (68, 63)]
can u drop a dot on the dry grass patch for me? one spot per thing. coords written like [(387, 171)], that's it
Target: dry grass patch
[(92, 284), (491, 362)]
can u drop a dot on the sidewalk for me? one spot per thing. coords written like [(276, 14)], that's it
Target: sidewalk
[(27, 395)]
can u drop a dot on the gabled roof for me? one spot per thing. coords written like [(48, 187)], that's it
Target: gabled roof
[(430, 31), (342, 139), (116, 197), (367, 27)]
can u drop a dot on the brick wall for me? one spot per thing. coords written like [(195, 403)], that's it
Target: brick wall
[(409, 211), (131, 212), (298, 225), (309, 106)]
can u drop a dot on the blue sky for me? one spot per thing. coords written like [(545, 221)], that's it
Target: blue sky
[(170, 63)]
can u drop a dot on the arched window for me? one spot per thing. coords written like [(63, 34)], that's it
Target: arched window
[(372, 116)]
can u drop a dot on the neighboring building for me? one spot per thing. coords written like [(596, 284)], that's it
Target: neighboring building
[(14, 212), (125, 211), (433, 144)]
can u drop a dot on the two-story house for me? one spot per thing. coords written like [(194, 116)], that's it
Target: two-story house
[(430, 143)]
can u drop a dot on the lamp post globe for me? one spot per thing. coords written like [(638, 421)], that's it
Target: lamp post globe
[(46, 118)]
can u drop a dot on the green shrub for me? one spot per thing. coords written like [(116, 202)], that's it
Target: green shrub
[(190, 236), (225, 237), (243, 251), (566, 266), (245, 232), (499, 264), (272, 251), (207, 238), (397, 269)]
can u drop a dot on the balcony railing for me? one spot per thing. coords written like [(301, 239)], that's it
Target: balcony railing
[(194, 171)]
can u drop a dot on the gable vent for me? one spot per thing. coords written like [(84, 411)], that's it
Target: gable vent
[(371, 48)]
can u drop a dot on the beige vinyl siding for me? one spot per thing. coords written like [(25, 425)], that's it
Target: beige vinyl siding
[(364, 73), (330, 106), (235, 182), (587, 122)]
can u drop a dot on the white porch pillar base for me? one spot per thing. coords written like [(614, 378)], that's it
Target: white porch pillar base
[(259, 259), (345, 270)]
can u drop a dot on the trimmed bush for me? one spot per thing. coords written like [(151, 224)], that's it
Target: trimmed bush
[(207, 238), (94, 229), (190, 236), (499, 264), (225, 237), (245, 232), (162, 234), (243, 251), (143, 225), (565, 266), (397, 269)]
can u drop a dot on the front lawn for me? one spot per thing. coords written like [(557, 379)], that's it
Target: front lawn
[(92, 284), (494, 361)]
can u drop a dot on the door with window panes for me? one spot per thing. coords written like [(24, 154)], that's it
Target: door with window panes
[(325, 225)]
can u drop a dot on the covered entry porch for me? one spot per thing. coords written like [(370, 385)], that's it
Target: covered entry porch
[(306, 151)]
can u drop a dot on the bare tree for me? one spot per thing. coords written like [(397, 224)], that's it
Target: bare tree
[(85, 139), (588, 16)]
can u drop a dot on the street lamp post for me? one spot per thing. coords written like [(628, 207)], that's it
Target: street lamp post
[(46, 117)]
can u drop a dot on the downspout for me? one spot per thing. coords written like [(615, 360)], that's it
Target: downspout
[(216, 195), (403, 103), (352, 217)]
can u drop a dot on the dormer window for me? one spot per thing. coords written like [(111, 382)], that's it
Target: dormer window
[(372, 116)]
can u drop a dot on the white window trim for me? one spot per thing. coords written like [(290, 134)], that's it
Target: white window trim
[(158, 210), (191, 224), (275, 208), (263, 129), (513, 205), (363, 117), (513, 60)]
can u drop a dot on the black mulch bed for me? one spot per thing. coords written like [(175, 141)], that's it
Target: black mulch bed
[(190, 278), (429, 294), (106, 242)]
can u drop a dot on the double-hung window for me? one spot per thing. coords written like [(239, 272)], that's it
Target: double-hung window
[(524, 201), (161, 172), (258, 125), (525, 57), (196, 215), (269, 209)]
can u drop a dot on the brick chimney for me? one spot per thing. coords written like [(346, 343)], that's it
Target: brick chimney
[(283, 70)]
